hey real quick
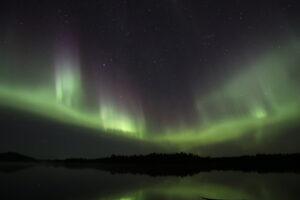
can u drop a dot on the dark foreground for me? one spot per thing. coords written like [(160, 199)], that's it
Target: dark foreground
[(179, 164)]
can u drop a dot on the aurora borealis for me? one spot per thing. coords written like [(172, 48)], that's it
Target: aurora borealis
[(206, 77)]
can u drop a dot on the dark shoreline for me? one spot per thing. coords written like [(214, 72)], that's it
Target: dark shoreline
[(179, 164)]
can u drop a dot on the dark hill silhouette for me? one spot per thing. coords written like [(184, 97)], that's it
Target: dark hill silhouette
[(15, 157)]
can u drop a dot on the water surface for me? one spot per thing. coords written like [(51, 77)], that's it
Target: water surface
[(48, 182)]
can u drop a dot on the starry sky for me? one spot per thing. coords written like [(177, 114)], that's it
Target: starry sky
[(92, 78)]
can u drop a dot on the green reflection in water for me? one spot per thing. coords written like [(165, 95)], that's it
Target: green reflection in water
[(99, 185), (220, 186)]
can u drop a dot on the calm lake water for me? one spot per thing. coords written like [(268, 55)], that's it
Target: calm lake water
[(47, 182)]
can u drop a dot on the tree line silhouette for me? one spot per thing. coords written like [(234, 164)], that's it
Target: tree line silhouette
[(183, 164), (177, 164)]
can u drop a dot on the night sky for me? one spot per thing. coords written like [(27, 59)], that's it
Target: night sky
[(92, 78)]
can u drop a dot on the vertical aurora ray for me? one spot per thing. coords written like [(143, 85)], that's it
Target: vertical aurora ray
[(67, 74), (113, 117), (67, 85), (118, 116)]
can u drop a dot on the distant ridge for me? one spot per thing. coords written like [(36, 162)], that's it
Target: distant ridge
[(15, 157)]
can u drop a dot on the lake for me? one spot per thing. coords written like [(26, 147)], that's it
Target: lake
[(49, 182)]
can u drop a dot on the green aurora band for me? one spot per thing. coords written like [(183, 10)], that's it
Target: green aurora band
[(62, 99), (259, 96), (260, 100)]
